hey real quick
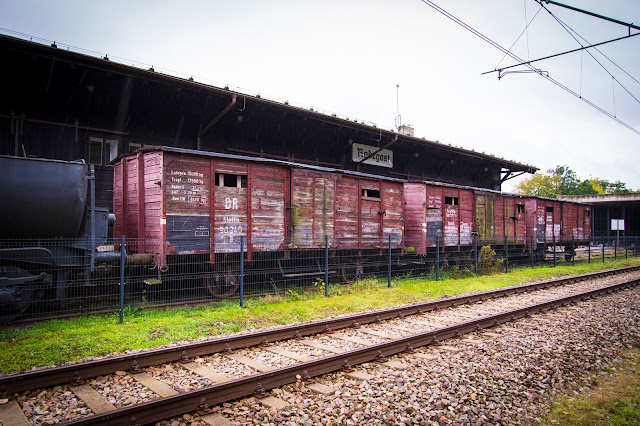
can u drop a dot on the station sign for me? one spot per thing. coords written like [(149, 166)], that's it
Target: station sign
[(383, 158)]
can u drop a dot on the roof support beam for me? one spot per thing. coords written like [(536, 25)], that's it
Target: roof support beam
[(510, 175), (216, 119)]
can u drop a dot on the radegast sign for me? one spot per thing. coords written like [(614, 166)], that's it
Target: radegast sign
[(383, 158)]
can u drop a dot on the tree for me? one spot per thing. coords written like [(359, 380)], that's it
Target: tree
[(561, 180)]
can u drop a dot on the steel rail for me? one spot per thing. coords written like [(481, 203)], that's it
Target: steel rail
[(201, 399), (74, 372)]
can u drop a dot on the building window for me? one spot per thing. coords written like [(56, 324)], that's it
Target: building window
[(102, 151), (134, 146), (451, 201), (519, 208)]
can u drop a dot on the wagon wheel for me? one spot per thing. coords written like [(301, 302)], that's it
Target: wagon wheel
[(351, 271), (221, 285)]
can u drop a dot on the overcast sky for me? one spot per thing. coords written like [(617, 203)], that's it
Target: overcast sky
[(347, 56)]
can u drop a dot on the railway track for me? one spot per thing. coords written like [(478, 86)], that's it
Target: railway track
[(246, 364)]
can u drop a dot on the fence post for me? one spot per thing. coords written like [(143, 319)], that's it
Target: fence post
[(123, 258), (389, 269), (573, 252), (475, 255), (326, 266), (506, 254), (437, 258), (242, 271), (589, 248), (554, 249), (603, 249), (532, 256), (625, 247)]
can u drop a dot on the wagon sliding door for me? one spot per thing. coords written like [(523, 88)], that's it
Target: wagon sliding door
[(230, 184), (484, 217), (370, 214), (313, 199), (249, 200)]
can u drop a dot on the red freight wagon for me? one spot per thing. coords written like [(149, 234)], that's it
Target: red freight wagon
[(433, 211), (172, 201), (509, 219), (175, 202), (544, 219), (353, 211), (576, 222)]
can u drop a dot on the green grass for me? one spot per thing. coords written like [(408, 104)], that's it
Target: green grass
[(58, 341), (614, 401)]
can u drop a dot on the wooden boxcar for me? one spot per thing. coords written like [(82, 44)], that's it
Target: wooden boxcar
[(544, 219), (566, 221), (433, 211), (179, 202), (576, 222), (353, 211)]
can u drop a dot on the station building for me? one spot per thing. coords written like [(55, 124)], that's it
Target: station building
[(65, 105)]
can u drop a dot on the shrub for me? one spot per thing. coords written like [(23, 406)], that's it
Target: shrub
[(488, 261)]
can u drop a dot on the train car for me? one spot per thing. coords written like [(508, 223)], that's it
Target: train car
[(352, 211), (499, 215), (576, 222), (176, 202), (50, 231), (544, 219), (434, 211)]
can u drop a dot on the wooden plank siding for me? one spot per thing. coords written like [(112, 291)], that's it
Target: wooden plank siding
[(415, 211), (347, 205), (313, 208), (392, 219), (192, 204), (484, 212)]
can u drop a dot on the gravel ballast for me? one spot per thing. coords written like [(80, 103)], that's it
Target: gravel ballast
[(509, 379)]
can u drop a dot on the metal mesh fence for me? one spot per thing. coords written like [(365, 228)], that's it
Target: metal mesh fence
[(56, 278)]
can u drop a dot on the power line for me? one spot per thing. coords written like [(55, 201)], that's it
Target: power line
[(523, 31), (516, 58), (562, 53), (569, 30)]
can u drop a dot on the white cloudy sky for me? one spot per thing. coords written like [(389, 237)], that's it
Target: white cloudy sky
[(346, 56)]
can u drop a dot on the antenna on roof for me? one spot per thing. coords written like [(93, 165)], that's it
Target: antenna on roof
[(398, 117)]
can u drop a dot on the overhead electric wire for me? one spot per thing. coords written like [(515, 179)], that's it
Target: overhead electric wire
[(523, 31), (564, 53), (601, 17), (516, 58), (570, 30)]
